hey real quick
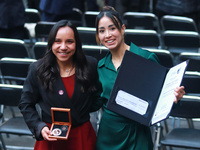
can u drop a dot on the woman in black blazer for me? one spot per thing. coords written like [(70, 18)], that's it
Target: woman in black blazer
[(63, 78)]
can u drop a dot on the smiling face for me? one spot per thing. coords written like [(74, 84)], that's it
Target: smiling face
[(109, 35), (64, 45)]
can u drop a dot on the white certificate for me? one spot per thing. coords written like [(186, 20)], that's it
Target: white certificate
[(166, 99), (131, 102)]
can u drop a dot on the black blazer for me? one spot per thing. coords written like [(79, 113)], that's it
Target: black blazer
[(80, 103)]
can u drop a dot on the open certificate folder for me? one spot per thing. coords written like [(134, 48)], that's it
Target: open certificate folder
[(144, 90)]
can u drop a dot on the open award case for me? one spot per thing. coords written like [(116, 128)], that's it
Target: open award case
[(61, 123)]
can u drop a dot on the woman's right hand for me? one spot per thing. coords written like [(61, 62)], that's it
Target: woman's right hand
[(46, 133)]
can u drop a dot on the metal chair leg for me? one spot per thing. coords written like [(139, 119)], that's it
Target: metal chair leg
[(158, 132), (2, 142)]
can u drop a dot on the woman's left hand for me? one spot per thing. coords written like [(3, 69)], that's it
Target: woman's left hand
[(179, 92)]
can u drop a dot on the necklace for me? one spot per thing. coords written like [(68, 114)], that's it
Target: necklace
[(70, 69)]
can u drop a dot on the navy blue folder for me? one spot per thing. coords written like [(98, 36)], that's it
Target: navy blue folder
[(141, 78)]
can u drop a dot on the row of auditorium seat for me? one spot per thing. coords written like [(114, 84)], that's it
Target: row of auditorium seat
[(174, 41), (15, 59), (17, 49), (132, 20), (174, 33)]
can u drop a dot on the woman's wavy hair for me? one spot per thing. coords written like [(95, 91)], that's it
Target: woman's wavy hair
[(48, 69)]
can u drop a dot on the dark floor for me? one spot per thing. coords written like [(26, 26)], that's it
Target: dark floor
[(27, 143)]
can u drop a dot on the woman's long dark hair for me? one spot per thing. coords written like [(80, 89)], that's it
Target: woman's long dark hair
[(47, 69)]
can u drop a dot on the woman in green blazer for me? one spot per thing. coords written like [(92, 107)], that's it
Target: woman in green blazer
[(115, 131)]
